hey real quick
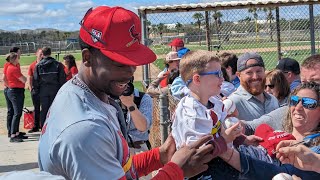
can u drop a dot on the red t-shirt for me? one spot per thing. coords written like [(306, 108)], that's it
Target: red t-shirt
[(13, 73), (5, 66), (69, 73), (31, 68)]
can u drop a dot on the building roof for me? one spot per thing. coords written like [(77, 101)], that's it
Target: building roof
[(222, 5)]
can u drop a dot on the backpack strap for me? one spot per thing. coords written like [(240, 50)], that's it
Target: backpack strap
[(137, 100)]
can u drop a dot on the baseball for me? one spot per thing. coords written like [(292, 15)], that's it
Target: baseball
[(282, 176), (229, 106), (230, 121)]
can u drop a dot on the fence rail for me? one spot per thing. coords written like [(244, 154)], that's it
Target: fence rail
[(275, 30)]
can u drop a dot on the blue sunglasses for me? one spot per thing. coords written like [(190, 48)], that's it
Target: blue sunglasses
[(217, 73), (307, 102)]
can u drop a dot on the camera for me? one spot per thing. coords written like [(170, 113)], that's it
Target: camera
[(129, 90)]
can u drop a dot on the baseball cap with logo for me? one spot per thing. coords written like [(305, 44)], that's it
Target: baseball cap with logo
[(271, 138), (177, 42), (242, 61), (172, 56), (288, 64), (116, 32)]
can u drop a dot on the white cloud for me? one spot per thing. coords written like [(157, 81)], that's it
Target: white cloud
[(24, 8), (79, 6), (55, 13)]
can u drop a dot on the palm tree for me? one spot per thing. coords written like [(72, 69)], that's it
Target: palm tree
[(217, 20), (270, 18), (160, 28), (255, 16), (199, 18), (178, 27)]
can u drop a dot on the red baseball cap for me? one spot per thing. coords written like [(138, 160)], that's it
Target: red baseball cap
[(116, 32), (177, 42), (271, 138)]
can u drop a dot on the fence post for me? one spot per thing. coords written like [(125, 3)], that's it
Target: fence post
[(143, 19), (164, 116), (312, 37), (208, 30), (278, 33)]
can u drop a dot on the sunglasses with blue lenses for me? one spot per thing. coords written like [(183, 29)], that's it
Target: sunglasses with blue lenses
[(307, 102), (217, 73)]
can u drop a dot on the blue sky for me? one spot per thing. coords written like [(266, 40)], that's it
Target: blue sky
[(61, 14), (66, 14)]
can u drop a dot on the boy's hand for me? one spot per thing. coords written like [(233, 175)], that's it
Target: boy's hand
[(231, 133), (252, 140)]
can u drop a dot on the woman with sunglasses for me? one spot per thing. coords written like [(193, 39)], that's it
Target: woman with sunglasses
[(302, 120), (278, 86)]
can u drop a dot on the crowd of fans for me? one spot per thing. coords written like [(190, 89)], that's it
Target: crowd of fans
[(98, 124)]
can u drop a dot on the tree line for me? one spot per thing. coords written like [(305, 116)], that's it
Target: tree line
[(7, 38)]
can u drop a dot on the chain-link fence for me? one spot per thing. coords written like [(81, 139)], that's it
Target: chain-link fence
[(275, 31), (163, 110)]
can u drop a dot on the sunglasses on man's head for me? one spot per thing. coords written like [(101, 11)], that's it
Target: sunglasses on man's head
[(307, 102), (217, 73), (86, 29), (271, 86)]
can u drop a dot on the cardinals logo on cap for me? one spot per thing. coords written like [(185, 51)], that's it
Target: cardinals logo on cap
[(97, 34), (134, 34)]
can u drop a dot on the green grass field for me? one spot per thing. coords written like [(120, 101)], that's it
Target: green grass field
[(27, 60), (270, 58), (27, 99)]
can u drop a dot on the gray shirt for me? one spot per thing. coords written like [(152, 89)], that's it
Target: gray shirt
[(82, 138), (250, 107), (146, 109), (274, 119)]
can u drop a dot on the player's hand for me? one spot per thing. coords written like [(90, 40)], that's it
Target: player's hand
[(193, 158)]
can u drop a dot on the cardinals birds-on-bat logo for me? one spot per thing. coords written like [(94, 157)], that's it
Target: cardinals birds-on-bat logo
[(134, 34)]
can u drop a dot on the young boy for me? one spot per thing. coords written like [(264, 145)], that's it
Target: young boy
[(199, 113)]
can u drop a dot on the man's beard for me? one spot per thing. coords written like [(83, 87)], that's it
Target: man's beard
[(255, 91)]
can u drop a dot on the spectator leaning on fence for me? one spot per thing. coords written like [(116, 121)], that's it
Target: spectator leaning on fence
[(160, 84), (291, 69), (250, 99), (177, 45), (229, 62), (137, 108), (84, 136), (15, 92), (48, 77), (34, 96)]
